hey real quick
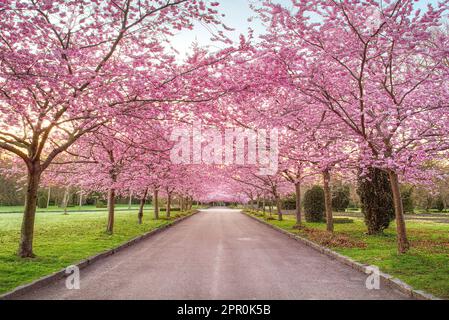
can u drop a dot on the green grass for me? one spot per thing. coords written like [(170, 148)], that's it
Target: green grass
[(424, 267), (19, 209), (61, 240)]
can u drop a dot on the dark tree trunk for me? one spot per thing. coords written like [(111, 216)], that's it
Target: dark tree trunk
[(403, 244), (298, 203), (156, 204), (27, 231), (141, 205), (168, 204), (328, 201), (111, 211)]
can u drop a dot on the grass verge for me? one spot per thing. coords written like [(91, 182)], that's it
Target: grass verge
[(62, 240), (424, 267), (118, 207)]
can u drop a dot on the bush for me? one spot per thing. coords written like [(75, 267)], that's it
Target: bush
[(340, 198), (42, 202), (89, 201), (377, 201), (407, 199), (343, 220), (101, 204), (289, 202), (42, 197), (314, 204)]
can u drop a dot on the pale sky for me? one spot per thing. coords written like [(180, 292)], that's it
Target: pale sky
[(236, 16)]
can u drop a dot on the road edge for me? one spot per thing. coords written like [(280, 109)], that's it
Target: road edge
[(385, 278), (51, 278)]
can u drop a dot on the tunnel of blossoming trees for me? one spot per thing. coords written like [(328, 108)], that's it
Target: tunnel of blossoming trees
[(94, 98)]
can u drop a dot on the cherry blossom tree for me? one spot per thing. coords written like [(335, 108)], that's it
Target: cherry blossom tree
[(64, 66), (385, 80)]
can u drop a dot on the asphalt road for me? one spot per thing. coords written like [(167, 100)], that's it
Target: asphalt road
[(218, 254)]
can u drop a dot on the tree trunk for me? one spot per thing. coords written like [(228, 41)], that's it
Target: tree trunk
[(279, 207), (168, 208), (130, 202), (81, 199), (65, 200), (403, 244), (111, 207), (328, 201), (29, 214), (156, 204), (263, 204), (141, 205), (48, 197), (298, 203)]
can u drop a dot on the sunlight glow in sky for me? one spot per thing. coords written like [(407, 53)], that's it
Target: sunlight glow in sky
[(236, 16)]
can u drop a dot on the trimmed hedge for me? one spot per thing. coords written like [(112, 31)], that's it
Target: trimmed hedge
[(314, 204)]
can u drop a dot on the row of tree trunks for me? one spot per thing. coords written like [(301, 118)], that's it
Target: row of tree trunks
[(34, 174), (185, 203)]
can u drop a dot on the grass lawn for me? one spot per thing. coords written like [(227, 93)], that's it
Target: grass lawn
[(61, 240), (19, 209), (425, 266)]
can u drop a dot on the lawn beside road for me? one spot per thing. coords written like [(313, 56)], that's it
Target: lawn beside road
[(424, 267), (118, 207), (62, 240)]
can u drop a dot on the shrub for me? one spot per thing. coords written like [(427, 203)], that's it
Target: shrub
[(377, 201), (42, 202), (289, 202), (407, 199), (101, 204), (314, 204), (340, 198), (343, 220)]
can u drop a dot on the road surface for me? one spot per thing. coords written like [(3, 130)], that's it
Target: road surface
[(218, 254)]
